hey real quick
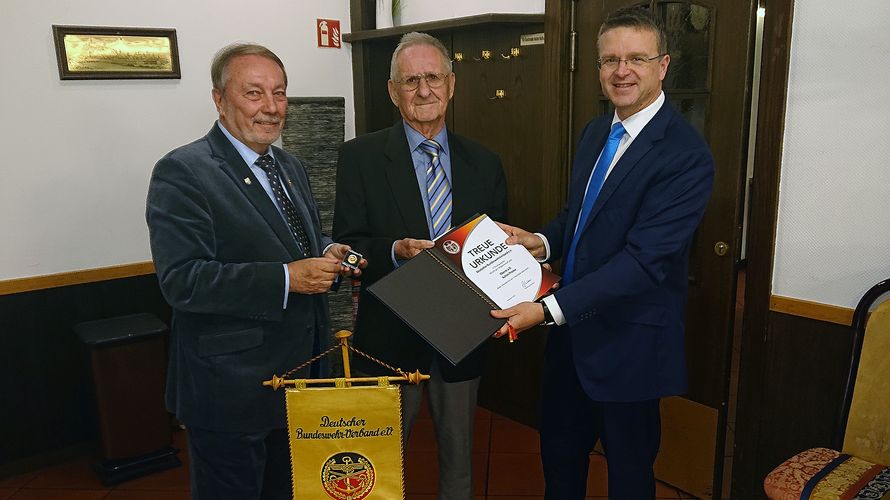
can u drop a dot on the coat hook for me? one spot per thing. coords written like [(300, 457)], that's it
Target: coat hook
[(486, 55), (514, 52), (499, 94)]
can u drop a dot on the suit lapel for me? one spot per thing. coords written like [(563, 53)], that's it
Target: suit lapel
[(233, 165), (399, 171), (588, 151), (651, 133)]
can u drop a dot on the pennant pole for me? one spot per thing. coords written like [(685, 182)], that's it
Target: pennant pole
[(343, 337)]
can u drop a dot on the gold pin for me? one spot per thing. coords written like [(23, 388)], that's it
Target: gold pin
[(247, 180)]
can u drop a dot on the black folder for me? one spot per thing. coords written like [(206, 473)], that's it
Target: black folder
[(439, 303)]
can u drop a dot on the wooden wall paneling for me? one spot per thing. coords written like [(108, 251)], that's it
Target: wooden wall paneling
[(813, 310), (361, 88), (362, 14), (79, 277), (447, 38), (512, 127), (523, 133), (45, 374), (557, 98), (379, 110), (804, 378)]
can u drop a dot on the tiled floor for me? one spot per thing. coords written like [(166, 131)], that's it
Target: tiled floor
[(506, 465)]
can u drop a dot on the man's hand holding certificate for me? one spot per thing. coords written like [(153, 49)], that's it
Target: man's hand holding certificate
[(507, 274), (522, 316), (446, 293)]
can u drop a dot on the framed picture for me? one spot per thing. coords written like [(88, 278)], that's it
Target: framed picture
[(101, 52)]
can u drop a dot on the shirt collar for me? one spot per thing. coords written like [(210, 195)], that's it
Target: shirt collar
[(246, 153), (635, 123), (415, 138)]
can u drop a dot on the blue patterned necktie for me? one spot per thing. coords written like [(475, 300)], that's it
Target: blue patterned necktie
[(291, 216), (438, 190), (593, 190)]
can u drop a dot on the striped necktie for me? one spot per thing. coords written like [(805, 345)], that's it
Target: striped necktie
[(438, 190), (597, 178)]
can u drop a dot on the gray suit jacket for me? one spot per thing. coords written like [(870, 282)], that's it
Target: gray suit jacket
[(218, 244)]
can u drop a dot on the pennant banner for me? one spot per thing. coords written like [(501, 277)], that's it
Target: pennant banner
[(346, 442)]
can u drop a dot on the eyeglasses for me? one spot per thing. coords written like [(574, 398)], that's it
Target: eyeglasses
[(433, 80), (635, 61)]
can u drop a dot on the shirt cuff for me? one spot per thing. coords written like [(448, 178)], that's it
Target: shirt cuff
[(392, 253), (286, 286), (555, 311), (546, 249), (327, 248)]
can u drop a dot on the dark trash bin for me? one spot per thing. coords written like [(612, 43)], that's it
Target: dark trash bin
[(128, 358)]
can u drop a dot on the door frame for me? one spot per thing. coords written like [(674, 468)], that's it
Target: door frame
[(557, 122), (760, 253)]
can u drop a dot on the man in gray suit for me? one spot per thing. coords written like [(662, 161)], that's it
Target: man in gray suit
[(240, 257)]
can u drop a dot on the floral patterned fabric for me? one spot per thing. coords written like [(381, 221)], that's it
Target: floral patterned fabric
[(786, 482), (822, 473)]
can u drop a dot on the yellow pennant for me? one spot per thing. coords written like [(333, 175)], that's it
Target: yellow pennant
[(346, 442)]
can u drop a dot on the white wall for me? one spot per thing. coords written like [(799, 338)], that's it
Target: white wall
[(78, 154), (421, 11), (833, 233)]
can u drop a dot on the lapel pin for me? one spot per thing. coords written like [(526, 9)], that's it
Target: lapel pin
[(247, 180)]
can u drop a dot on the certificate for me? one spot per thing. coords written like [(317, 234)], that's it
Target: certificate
[(507, 274), (446, 293)]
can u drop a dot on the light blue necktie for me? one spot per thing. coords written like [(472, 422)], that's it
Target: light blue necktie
[(438, 190), (593, 190)]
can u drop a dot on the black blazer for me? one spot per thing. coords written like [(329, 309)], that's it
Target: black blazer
[(218, 244), (379, 202)]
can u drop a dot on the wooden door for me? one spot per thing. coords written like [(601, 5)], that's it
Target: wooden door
[(708, 79)]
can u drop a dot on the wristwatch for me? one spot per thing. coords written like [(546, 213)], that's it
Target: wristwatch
[(548, 317)]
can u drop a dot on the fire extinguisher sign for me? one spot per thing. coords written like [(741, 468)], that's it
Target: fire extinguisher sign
[(328, 31)]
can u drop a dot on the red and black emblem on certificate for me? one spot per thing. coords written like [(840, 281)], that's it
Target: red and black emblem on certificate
[(348, 476)]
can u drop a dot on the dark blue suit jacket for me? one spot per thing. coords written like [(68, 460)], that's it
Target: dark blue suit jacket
[(218, 244), (625, 308)]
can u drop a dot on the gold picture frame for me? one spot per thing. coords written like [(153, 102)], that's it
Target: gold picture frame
[(110, 53)]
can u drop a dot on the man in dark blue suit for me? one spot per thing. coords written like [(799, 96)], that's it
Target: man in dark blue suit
[(640, 182), (240, 257)]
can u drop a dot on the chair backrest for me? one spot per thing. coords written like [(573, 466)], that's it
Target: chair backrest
[(865, 416)]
